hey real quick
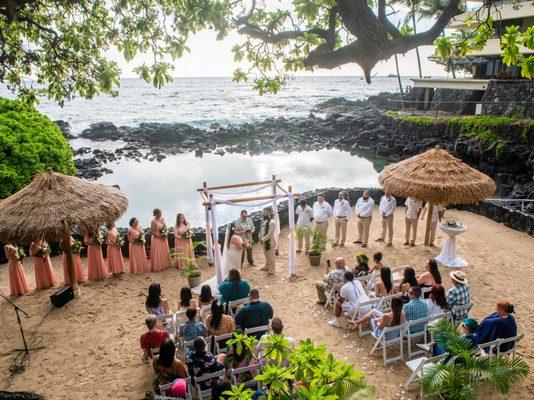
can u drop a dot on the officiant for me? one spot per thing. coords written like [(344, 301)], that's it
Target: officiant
[(267, 240), (244, 227)]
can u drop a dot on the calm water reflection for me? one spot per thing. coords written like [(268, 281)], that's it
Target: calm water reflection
[(171, 185)]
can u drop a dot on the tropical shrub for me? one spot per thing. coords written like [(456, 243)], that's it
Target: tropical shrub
[(29, 142)]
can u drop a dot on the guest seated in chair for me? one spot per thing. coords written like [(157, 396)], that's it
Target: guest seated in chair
[(155, 303), (331, 279), (467, 328), (499, 325), (277, 328), (153, 338), (200, 361), (384, 287), (415, 309), (192, 329), (217, 322), (186, 299), (362, 268), (166, 366), (233, 288), (459, 294), (408, 280), (380, 320), (350, 296), (256, 313), (436, 303)]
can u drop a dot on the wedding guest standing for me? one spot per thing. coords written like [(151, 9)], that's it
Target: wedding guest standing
[(244, 227), (388, 203), (75, 248), (437, 214), (321, 212), (114, 253), (413, 210), (267, 241), (159, 245), (136, 248), (305, 217), (342, 213), (17, 279), (364, 211), (183, 241), (96, 269), (45, 276)]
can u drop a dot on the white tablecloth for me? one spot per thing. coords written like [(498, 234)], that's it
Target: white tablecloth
[(449, 252)]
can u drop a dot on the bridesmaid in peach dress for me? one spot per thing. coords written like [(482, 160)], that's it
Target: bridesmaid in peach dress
[(183, 242), (17, 279), (45, 277), (114, 254), (76, 260), (159, 245), (137, 251), (96, 270)]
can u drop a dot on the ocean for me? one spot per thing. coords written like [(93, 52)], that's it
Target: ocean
[(171, 184)]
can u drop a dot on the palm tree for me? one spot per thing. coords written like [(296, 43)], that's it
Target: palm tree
[(462, 376)]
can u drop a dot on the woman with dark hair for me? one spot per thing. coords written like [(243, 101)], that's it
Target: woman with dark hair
[(437, 302), (374, 271), (362, 268), (499, 325), (183, 242), (136, 248), (159, 245), (384, 287), (431, 276), (206, 297), (233, 250), (381, 320), (186, 299), (166, 366), (217, 322), (233, 288), (408, 280), (96, 269), (155, 303), (45, 277)]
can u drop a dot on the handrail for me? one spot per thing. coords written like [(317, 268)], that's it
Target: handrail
[(523, 201)]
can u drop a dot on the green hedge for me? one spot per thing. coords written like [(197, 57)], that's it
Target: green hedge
[(29, 142)]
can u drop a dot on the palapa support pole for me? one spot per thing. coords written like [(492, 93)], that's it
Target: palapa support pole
[(275, 213), (73, 281), (428, 222), (291, 217)]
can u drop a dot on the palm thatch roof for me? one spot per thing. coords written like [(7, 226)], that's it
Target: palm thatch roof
[(53, 203), (438, 177)]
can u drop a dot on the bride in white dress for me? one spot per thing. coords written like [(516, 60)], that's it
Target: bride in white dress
[(233, 251)]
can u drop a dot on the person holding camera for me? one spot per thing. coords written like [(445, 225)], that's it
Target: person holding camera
[(331, 278), (244, 227)]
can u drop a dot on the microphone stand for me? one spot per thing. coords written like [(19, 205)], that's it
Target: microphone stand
[(24, 351)]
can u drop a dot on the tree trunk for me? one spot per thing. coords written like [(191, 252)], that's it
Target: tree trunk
[(73, 281), (399, 79), (417, 48)]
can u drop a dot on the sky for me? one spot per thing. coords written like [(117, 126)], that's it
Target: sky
[(212, 58)]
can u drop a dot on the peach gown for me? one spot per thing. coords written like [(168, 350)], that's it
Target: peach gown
[(114, 255), (45, 277), (78, 268), (17, 278), (184, 245), (159, 247), (96, 269), (137, 253)]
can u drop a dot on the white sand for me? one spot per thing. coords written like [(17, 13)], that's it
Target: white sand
[(91, 345)]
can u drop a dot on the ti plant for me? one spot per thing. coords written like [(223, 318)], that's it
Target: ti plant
[(318, 240)]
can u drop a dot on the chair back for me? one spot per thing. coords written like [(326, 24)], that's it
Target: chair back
[(232, 305), (168, 320), (460, 312), (385, 340), (493, 348), (168, 386), (385, 301), (253, 370), (220, 342), (202, 394), (257, 330)]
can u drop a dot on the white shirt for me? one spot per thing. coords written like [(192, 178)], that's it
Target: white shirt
[(322, 211), (412, 208), (387, 206), (364, 208), (353, 293), (433, 308), (305, 215), (435, 211), (342, 209)]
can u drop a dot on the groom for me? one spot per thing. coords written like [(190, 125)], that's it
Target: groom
[(267, 240)]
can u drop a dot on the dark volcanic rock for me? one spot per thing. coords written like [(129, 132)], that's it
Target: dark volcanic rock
[(65, 129), (156, 133), (102, 131)]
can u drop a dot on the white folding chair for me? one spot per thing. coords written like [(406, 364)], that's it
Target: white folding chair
[(253, 370), (418, 364), (460, 312), (493, 349), (381, 341), (204, 312), (232, 305), (202, 394), (168, 386), (421, 333), (357, 314), (330, 298), (168, 323), (257, 329), (385, 301), (425, 290), (218, 339)]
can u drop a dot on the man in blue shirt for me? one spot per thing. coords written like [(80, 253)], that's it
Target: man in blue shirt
[(192, 329), (256, 313), (415, 309)]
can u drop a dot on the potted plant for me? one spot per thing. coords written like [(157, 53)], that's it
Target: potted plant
[(189, 266), (318, 240), (192, 273)]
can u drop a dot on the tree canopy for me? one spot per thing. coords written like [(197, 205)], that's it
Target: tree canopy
[(59, 48)]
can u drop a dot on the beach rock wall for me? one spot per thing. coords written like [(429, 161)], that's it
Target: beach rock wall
[(501, 95)]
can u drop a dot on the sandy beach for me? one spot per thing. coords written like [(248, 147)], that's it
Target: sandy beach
[(91, 346)]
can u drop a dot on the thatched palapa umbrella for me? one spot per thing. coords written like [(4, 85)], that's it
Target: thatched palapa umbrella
[(437, 177), (52, 204)]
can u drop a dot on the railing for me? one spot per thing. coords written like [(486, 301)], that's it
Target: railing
[(523, 201)]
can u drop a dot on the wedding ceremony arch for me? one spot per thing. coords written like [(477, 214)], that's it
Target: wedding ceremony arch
[(214, 196)]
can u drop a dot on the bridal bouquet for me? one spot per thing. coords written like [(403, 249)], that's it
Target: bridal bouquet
[(164, 231), (121, 239), (76, 247), (140, 239), (45, 251), (187, 235), (97, 240), (247, 242), (21, 255)]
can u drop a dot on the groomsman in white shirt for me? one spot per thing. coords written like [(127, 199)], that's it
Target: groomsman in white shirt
[(321, 212), (305, 216), (437, 214), (388, 203), (364, 211), (413, 210), (342, 212)]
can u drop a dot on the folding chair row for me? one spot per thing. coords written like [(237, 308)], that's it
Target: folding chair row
[(253, 370), (418, 329), (460, 312), (232, 305), (168, 386), (495, 348)]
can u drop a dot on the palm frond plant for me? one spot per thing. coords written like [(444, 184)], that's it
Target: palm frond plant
[(466, 372)]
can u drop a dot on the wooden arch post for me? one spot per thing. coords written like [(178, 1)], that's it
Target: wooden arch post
[(428, 222)]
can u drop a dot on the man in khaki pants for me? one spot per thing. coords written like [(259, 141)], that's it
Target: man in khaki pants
[(321, 212), (342, 214), (305, 215), (388, 203), (413, 210), (267, 241), (364, 211)]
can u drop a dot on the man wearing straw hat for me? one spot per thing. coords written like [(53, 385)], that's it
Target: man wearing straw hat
[(364, 211), (459, 294)]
